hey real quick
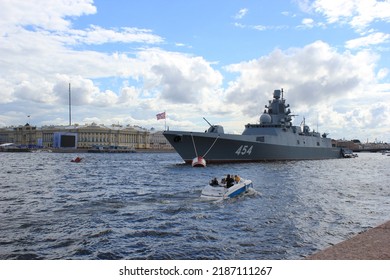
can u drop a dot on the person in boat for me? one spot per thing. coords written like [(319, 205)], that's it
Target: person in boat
[(237, 179), (229, 181), (214, 182)]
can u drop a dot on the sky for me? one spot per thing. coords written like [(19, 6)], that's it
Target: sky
[(129, 60)]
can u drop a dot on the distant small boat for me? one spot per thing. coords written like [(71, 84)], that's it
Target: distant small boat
[(347, 153), (219, 191), (77, 159)]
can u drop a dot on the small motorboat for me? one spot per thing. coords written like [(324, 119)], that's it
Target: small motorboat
[(347, 153), (219, 191), (76, 159)]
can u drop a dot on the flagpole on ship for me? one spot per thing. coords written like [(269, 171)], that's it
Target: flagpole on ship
[(165, 120)]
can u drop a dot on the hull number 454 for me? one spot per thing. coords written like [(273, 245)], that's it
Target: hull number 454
[(244, 150)]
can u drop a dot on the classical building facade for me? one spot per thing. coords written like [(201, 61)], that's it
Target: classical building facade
[(88, 136), (24, 135), (158, 141), (100, 136)]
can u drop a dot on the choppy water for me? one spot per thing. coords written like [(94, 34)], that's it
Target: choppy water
[(147, 206)]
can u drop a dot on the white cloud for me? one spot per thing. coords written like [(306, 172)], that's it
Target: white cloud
[(180, 78), (288, 14), (335, 10), (382, 73), (369, 11), (314, 78), (358, 14), (99, 35), (308, 22), (49, 15), (36, 47), (304, 5), (369, 40), (260, 27), (240, 25), (317, 70), (241, 13)]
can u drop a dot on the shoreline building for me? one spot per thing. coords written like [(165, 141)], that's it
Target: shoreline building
[(158, 141), (95, 136), (89, 136), (25, 136)]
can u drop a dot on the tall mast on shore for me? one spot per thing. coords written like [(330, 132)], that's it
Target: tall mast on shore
[(70, 107)]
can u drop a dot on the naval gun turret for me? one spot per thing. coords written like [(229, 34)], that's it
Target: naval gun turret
[(214, 128)]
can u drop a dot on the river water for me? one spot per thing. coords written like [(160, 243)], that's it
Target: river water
[(148, 206)]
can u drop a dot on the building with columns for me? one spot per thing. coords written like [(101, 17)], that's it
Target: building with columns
[(88, 136), (23, 135)]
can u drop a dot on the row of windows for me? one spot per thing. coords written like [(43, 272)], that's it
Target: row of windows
[(102, 137), (109, 138)]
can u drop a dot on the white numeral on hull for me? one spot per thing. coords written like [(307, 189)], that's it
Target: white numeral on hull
[(244, 149)]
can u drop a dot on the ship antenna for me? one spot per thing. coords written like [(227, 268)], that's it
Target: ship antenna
[(282, 93)]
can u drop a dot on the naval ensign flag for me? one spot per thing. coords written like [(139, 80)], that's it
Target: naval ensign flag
[(160, 116)]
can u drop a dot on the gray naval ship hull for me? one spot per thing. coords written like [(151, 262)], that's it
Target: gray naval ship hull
[(273, 138), (225, 148)]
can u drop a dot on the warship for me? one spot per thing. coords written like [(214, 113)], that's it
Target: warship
[(273, 138)]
